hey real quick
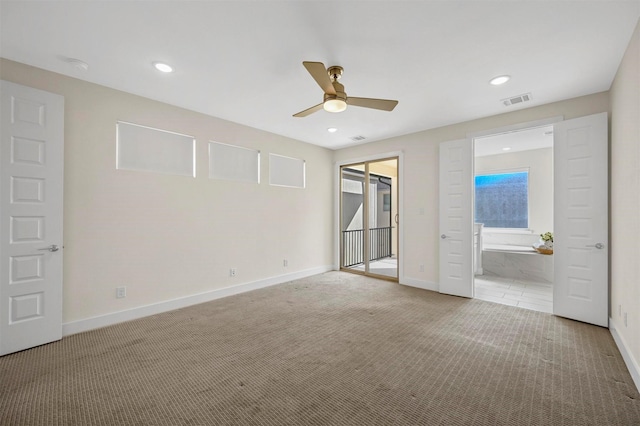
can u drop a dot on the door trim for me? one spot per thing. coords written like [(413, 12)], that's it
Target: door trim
[(516, 127), (336, 205)]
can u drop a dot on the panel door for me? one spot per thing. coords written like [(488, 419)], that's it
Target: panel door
[(31, 182), (581, 246), (456, 246)]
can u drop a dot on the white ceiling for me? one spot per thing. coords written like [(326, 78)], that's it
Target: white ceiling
[(242, 60)]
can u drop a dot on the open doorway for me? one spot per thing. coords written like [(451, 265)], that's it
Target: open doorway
[(369, 218), (580, 218), (513, 208)]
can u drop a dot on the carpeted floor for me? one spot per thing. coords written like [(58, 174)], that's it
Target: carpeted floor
[(334, 349)]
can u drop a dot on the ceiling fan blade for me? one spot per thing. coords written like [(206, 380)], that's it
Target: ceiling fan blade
[(383, 104), (320, 75), (308, 111)]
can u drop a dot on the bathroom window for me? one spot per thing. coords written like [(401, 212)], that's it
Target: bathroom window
[(502, 200)]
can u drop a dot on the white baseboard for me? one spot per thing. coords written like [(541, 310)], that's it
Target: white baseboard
[(423, 284), (629, 360), (87, 324)]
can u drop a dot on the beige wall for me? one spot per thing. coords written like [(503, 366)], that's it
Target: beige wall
[(420, 175), (166, 237), (539, 162), (625, 198), (163, 236)]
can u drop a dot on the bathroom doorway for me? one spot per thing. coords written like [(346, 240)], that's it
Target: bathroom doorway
[(580, 217), (513, 207)]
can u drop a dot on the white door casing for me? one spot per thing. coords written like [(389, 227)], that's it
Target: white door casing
[(31, 185), (456, 201), (581, 246)]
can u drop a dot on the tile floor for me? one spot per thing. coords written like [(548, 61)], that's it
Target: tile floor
[(522, 293)]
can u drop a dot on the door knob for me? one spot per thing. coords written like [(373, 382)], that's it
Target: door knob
[(51, 248), (599, 246), (443, 236)]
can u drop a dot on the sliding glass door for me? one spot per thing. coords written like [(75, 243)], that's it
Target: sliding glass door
[(369, 218)]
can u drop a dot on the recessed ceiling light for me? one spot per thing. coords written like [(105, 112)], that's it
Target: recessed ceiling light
[(506, 148), (501, 79), (81, 65), (160, 66), (332, 130)]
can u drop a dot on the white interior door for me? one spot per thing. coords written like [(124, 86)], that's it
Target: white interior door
[(456, 245), (31, 160), (581, 246)]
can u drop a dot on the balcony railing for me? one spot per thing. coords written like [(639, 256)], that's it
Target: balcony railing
[(353, 245)]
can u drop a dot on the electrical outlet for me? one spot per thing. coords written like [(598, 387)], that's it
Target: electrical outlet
[(625, 319), (285, 263), (422, 267), (121, 292), (232, 272)]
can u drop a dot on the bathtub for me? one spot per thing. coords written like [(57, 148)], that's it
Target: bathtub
[(508, 248), (517, 262)]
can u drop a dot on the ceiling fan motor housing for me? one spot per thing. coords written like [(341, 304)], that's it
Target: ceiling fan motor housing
[(340, 93), (335, 102)]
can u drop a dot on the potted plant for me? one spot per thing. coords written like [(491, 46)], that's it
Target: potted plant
[(545, 244)]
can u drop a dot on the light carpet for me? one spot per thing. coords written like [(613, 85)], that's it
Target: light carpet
[(333, 349)]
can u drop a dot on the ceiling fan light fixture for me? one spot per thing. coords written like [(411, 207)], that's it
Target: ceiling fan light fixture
[(334, 105), (335, 97)]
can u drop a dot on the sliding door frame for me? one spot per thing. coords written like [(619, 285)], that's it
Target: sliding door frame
[(338, 208)]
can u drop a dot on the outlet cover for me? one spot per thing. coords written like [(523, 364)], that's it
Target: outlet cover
[(121, 292), (232, 272)]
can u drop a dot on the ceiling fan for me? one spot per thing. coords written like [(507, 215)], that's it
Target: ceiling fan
[(335, 98)]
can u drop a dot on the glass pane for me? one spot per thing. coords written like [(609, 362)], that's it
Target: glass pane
[(286, 171), (502, 200), (352, 221), (147, 149), (383, 230), (230, 162)]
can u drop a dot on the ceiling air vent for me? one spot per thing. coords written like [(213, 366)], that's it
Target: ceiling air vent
[(517, 99), (358, 138)]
